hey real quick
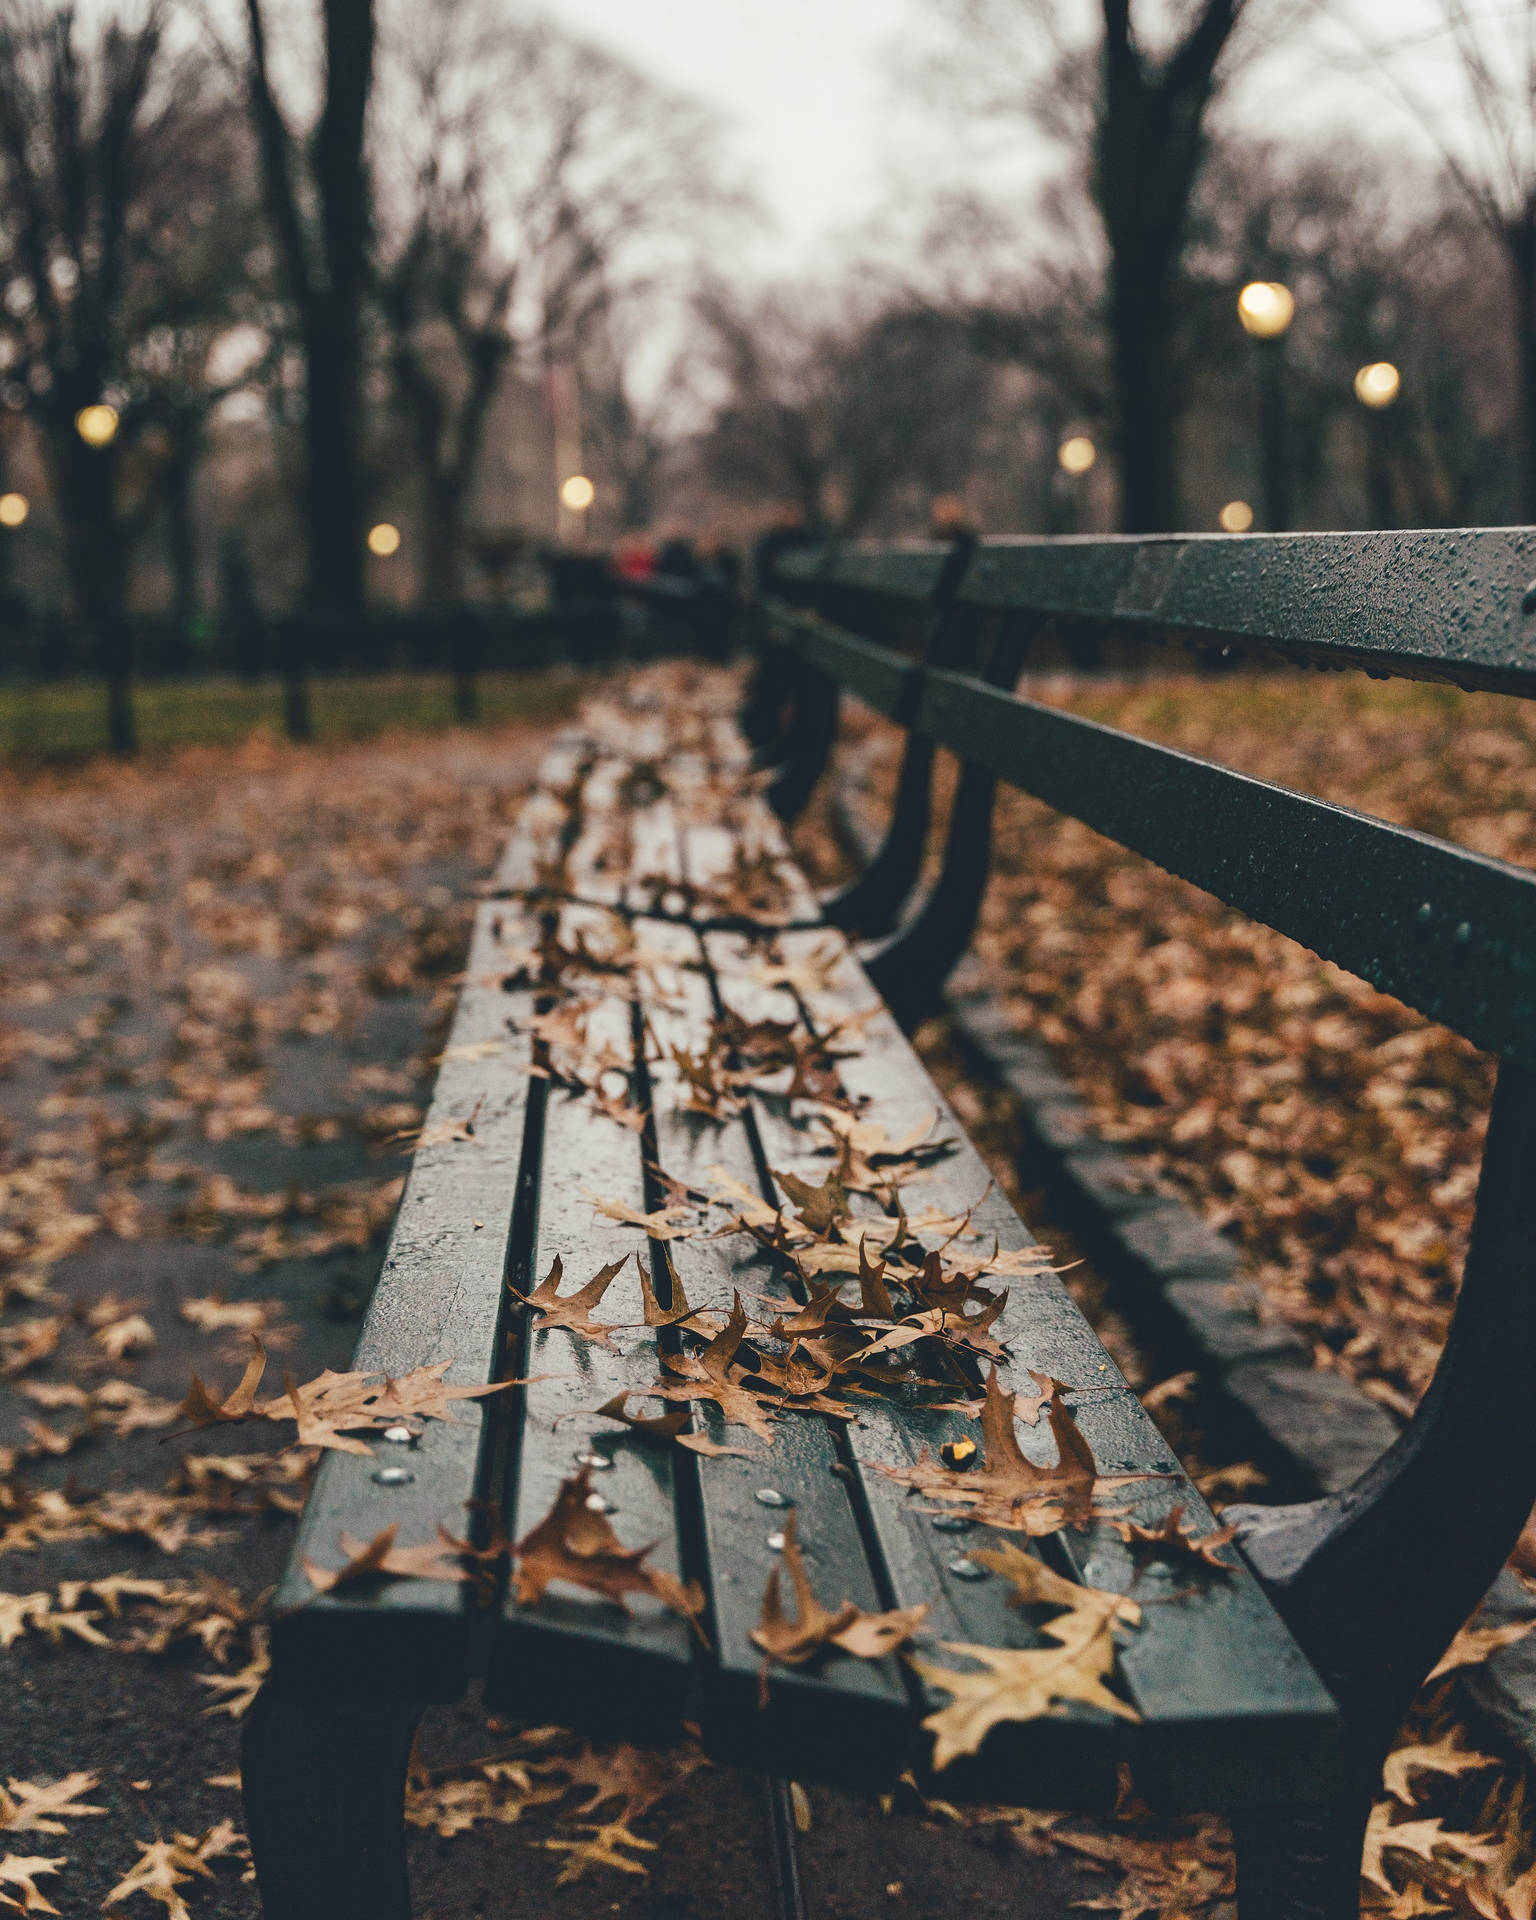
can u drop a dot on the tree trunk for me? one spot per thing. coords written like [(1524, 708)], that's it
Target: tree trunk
[(333, 460), (181, 543), (442, 585), (1274, 435), (1141, 327), (96, 550), (1521, 242)]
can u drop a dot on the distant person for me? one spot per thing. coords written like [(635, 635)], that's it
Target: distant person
[(634, 557), (786, 531), (677, 559)]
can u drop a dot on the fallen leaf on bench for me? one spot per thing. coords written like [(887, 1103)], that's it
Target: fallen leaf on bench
[(867, 1636), (715, 1375), (1474, 1644), (604, 1849), (1009, 1490), (661, 1426), (1028, 1685), (655, 1314), (574, 1311), (1175, 1536), (667, 1223), (821, 1208), (20, 1872), (712, 1450), (617, 1108), (814, 973), (380, 1559), (1034, 1583), (746, 1202), (576, 1544)]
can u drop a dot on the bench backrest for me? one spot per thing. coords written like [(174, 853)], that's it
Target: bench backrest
[(1451, 932)]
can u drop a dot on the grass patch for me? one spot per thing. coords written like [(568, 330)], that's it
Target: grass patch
[(65, 720)]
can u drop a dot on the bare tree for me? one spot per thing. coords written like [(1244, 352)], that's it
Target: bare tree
[(119, 252), (1489, 151), (836, 412), (532, 184), (1137, 107)]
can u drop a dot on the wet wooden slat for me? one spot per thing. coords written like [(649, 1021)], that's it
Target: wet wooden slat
[(840, 1718), (570, 1652), (438, 1298)]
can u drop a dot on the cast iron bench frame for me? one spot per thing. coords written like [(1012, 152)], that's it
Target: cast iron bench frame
[(1448, 931)]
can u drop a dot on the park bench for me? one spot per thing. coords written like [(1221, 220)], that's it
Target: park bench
[(649, 882)]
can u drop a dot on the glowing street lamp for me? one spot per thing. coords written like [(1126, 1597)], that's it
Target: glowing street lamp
[(384, 539), (14, 508), (1235, 517), (1378, 385), (1076, 455), (577, 493), (97, 425), (1266, 309)]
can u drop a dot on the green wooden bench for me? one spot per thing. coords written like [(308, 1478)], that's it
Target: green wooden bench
[(1269, 1690)]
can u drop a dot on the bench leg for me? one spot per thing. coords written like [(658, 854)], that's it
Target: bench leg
[(1300, 1863), (323, 1766)]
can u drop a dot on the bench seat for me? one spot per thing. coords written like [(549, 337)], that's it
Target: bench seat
[(637, 832)]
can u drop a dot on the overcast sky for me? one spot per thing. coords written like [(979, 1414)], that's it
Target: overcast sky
[(823, 132), (805, 85)]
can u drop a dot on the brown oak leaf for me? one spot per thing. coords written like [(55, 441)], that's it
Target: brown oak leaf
[(577, 1544), (867, 1636), (574, 1311)]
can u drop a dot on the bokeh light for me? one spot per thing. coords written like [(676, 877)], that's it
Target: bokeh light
[(14, 508), (1265, 308), (97, 426), (577, 493), (1236, 517), (1378, 385), (1077, 455), (384, 539)]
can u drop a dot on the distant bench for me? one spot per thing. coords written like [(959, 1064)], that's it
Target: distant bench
[(655, 1012)]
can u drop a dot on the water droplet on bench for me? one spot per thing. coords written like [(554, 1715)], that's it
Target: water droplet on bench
[(771, 1497), (966, 1569), (595, 1503), (775, 1543), (394, 1476), (594, 1462), (952, 1523), (399, 1436)]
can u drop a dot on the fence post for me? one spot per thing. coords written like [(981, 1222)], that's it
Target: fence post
[(291, 637), (115, 644)]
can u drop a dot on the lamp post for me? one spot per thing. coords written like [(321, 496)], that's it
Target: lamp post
[(576, 496), (1377, 386), (1265, 309)]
